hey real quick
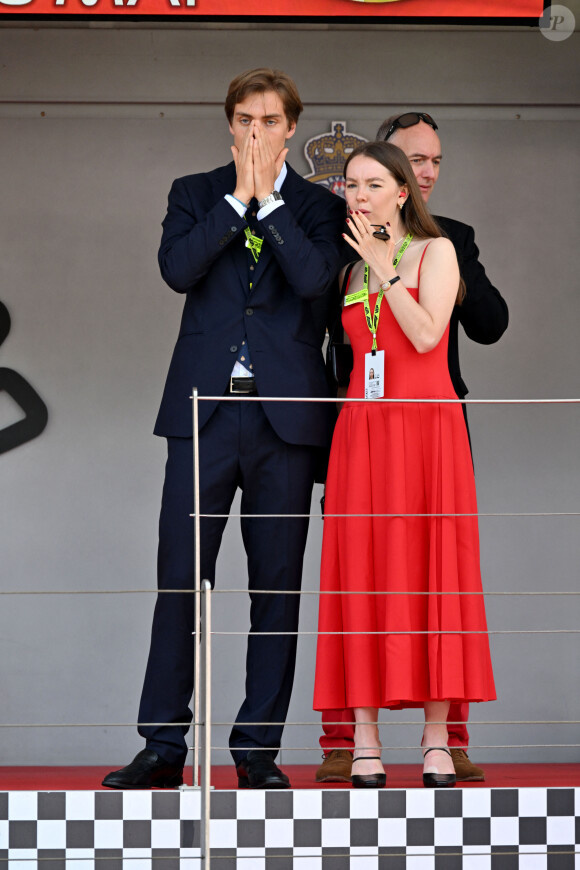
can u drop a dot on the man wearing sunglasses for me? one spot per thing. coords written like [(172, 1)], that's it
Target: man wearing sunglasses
[(483, 315)]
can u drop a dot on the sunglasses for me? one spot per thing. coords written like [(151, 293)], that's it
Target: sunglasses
[(409, 119)]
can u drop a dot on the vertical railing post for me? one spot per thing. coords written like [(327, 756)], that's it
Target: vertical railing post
[(206, 755), (197, 593)]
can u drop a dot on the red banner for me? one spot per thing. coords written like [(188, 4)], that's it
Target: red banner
[(217, 9)]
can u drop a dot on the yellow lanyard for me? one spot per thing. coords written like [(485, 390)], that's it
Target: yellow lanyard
[(372, 322), (363, 295), (254, 243)]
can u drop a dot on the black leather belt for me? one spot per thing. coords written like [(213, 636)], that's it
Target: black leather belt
[(243, 387)]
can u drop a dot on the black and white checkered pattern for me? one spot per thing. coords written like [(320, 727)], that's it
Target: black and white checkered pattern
[(471, 829)]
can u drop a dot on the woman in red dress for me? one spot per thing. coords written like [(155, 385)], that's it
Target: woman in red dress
[(400, 530)]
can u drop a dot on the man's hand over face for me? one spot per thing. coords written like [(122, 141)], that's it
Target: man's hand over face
[(267, 164), (244, 160)]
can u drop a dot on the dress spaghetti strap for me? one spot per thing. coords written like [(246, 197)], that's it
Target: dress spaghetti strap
[(421, 263)]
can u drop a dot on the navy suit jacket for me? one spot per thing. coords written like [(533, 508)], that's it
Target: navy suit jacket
[(483, 312), (203, 256)]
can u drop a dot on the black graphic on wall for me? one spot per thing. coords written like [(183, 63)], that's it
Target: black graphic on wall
[(25, 396)]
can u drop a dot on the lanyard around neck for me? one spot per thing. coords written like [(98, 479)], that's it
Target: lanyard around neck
[(402, 249), (373, 320)]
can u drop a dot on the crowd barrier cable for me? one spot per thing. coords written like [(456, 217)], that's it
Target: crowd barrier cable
[(206, 852), (203, 594)]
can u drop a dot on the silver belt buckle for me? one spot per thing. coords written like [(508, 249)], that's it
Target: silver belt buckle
[(238, 392)]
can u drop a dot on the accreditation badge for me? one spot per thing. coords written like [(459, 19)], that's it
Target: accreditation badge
[(375, 375)]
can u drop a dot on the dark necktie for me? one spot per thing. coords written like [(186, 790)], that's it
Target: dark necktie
[(244, 354)]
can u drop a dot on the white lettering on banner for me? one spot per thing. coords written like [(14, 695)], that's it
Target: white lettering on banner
[(15, 2), (123, 3)]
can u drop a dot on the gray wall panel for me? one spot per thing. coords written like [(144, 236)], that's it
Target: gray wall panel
[(331, 66), (93, 327)]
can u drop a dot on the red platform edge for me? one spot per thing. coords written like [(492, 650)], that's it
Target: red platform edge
[(301, 777)]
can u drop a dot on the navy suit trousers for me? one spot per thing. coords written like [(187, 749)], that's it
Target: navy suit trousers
[(238, 448)]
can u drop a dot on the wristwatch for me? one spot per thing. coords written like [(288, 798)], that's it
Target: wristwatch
[(386, 284), (275, 196)]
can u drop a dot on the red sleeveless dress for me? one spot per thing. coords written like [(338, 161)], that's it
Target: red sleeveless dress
[(400, 459)]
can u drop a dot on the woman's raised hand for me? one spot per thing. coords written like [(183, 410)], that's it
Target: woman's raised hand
[(378, 253)]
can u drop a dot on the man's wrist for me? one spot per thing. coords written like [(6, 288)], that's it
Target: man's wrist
[(242, 196), (264, 189), (241, 201), (269, 198)]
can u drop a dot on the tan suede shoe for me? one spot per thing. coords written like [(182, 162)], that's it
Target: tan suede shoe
[(465, 770), (336, 767)]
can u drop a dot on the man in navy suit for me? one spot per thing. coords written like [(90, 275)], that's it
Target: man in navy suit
[(483, 315), (252, 246)]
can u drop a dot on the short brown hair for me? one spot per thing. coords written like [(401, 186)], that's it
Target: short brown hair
[(258, 81)]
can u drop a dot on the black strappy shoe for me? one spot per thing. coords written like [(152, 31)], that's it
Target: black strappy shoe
[(368, 780), (438, 780)]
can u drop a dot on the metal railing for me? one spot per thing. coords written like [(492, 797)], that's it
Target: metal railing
[(204, 632), (202, 723)]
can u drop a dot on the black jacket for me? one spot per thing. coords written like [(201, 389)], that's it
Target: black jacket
[(483, 312)]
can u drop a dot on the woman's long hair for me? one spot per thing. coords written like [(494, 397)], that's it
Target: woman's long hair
[(414, 213)]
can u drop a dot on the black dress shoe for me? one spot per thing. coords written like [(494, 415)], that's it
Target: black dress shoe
[(147, 770), (258, 770)]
